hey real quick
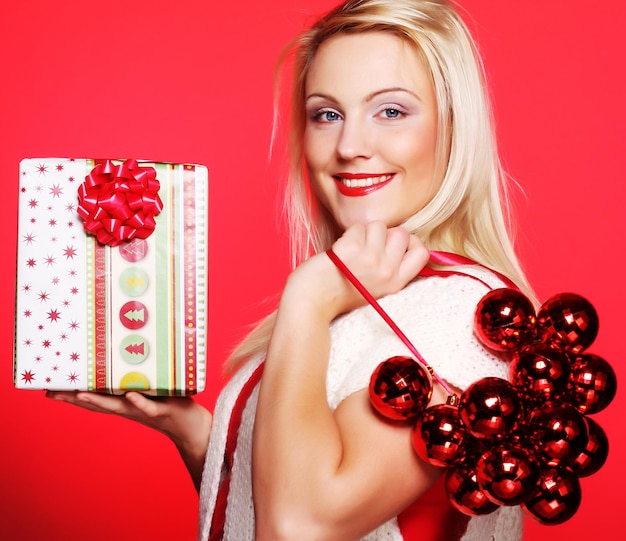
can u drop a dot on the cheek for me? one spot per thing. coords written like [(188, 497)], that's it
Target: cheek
[(318, 148)]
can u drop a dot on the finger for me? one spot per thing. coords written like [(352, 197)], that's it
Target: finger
[(117, 405), (150, 408), (398, 241), (355, 233), (75, 399), (415, 259), (376, 237)]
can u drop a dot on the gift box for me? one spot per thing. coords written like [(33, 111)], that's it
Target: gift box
[(111, 291)]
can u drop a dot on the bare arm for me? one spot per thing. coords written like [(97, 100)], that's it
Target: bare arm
[(184, 421), (316, 473)]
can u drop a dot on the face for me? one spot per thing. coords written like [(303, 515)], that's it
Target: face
[(371, 129)]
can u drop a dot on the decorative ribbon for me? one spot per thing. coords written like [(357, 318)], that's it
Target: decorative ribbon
[(119, 202)]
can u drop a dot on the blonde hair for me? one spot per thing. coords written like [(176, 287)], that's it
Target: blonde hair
[(469, 213)]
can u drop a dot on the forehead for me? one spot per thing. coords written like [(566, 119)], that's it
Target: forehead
[(364, 62)]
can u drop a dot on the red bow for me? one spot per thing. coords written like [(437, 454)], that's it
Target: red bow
[(119, 202)]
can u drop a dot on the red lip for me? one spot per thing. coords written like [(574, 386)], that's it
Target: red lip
[(361, 191)]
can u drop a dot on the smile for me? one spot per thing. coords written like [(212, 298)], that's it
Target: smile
[(358, 185)]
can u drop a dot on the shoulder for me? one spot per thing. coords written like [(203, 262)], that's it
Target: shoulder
[(436, 314)]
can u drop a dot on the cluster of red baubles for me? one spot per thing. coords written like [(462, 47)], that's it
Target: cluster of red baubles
[(522, 441)]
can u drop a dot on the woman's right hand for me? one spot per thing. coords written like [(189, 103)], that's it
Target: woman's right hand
[(182, 419), (383, 259)]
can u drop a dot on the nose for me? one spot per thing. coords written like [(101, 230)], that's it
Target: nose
[(354, 140)]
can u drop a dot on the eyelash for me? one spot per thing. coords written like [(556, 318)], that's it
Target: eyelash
[(401, 111), (318, 116)]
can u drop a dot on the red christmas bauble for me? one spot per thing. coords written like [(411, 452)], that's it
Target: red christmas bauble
[(540, 373), (400, 388), (592, 383), (490, 408), (559, 432), (556, 498), (594, 455), (504, 319), (464, 493), (568, 321), (439, 435), (507, 473)]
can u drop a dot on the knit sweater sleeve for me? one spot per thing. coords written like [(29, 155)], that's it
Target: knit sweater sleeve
[(437, 316)]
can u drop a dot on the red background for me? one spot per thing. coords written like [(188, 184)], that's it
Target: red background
[(191, 81)]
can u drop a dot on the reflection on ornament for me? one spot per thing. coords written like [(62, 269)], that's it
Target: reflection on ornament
[(490, 407), (592, 383), (400, 388), (507, 474), (559, 432), (556, 499), (540, 373), (595, 453), (464, 493), (439, 434), (504, 319), (568, 321)]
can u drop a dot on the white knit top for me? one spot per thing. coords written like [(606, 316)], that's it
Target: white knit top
[(436, 314)]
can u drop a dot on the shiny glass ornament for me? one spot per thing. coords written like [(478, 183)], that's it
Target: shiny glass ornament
[(556, 498), (464, 493), (595, 453), (569, 321), (490, 408), (504, 319), (507, 473), (400, 388), (592, 383), (559, 432), (439, 436), (540, 373)]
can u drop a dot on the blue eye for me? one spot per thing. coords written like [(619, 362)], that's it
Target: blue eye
[(392, 112), (326, 115)]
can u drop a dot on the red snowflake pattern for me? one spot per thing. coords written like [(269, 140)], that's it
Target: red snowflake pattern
[(69, 252), (28, 376)]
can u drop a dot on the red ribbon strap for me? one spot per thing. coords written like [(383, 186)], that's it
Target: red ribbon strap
[(119, 202), (442, 258)]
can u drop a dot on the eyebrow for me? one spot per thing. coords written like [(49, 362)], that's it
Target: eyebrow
[(370, 96)]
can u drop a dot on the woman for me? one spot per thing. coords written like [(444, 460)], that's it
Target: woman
[(393, 155)]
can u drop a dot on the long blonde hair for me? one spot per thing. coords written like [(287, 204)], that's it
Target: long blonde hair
[(469, 213)]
